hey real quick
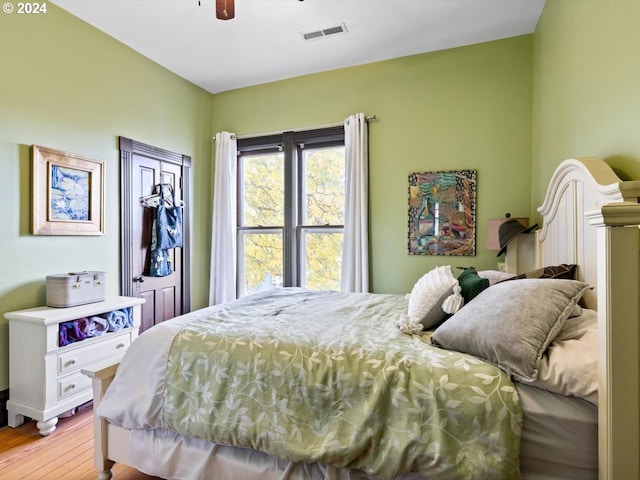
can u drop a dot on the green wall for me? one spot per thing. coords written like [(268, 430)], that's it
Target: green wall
[(65, 85), (586, 87), (462, 108), (512, 109)]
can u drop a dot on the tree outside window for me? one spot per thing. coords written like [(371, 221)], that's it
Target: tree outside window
[(291, 213)]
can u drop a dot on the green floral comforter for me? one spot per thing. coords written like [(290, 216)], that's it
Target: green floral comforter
[(328, 377)]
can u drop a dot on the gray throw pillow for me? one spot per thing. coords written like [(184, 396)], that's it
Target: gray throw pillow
[(511, 324)]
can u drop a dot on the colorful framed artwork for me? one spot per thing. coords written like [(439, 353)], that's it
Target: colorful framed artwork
[(67, 193), (442, 213)]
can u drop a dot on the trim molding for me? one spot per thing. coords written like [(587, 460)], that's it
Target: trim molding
[(128, 148)]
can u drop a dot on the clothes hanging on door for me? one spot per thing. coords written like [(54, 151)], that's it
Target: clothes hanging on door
[(168, 220), (160, 265), (166, 230)]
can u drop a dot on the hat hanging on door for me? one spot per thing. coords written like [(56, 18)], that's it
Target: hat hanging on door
[(510, 230)]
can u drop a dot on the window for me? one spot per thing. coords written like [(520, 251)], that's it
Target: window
[(291, 210)]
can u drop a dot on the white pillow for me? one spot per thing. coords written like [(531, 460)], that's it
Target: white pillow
[(570, 364), (427, 295), (495, 276)]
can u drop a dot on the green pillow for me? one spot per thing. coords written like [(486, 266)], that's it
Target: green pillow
[(471, 283)]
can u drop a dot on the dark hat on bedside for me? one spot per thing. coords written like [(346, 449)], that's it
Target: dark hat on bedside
[(509, 230)]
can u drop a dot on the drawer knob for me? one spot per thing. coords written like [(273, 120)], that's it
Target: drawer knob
[(120, 345), (71, 386), (71, 361)]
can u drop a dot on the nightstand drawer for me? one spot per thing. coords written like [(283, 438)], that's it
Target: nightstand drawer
[(73, 385), (85, 354)]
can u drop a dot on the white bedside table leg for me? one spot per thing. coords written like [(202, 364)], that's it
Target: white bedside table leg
[(47, 427)]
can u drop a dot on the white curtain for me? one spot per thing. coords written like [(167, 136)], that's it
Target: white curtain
[(355, 250), (222, 283)]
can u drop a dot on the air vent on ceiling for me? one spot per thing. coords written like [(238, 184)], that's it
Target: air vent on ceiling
[(325, 32)]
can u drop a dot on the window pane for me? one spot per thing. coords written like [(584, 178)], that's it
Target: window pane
[(262, 190), (323, 186), (260, 261), (321, 259)]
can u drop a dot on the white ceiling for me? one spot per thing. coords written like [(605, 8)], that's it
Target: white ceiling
[(264, 42)]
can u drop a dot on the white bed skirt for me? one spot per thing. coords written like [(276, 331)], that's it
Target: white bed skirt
[(176, 457)]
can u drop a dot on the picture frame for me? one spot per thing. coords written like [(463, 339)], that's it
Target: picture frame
[(442, 213), (67, 193)]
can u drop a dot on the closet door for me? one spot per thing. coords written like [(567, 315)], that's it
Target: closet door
[(143, 167)]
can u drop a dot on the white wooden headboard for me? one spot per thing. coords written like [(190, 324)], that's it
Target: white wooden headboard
[(578, 186), (591, 218)]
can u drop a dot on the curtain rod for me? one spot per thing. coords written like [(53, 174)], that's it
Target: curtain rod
[(368, 118)]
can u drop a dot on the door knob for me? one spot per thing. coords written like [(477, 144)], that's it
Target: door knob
[(139, 279)]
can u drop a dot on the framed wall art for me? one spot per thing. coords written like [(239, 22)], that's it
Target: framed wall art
[(442, 213), (67, 193)]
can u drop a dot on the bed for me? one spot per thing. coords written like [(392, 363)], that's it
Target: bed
[(369, 397)]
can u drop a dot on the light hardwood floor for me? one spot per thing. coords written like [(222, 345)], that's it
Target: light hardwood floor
[(66, 454)]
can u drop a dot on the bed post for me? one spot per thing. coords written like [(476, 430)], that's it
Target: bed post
[(618, 318), (101, 378)]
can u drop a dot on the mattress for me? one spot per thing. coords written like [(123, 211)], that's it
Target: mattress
[(551, 425)]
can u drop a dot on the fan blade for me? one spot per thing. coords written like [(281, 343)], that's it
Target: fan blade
[(225, 9)]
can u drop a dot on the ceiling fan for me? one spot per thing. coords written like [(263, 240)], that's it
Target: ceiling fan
[(225, 9)]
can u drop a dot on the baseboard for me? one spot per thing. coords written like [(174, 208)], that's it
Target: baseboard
[(4, 418)]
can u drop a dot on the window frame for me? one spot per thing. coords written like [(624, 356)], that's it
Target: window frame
[(291, 144)]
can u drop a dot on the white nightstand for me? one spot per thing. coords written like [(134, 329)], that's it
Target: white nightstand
[(45, 378)]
